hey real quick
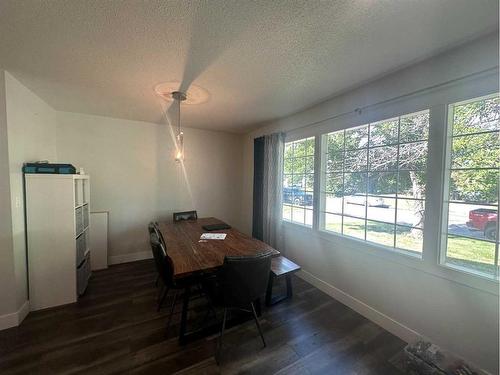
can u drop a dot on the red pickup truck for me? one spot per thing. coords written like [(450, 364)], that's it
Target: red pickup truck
[(484, 219)]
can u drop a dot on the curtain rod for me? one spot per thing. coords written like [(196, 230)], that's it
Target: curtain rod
[(359, 110)]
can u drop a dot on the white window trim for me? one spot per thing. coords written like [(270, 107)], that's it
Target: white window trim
[(314, 189), (322, 213), (436, 101), (446, 176)]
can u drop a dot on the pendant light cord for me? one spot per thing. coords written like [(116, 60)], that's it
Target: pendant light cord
[(179, 118)]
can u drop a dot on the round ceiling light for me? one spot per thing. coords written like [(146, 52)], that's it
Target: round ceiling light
[(194, 94)]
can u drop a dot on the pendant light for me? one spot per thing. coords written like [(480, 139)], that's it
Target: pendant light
[(179, 154)]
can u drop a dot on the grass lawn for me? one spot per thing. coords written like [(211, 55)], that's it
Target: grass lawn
[(380, 233), (466, 252), (471, 249)]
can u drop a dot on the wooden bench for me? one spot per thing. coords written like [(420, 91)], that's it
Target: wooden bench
[(280, 266)]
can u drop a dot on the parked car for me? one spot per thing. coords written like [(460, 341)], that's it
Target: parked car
[(484, 219), (297, 196), (360, 200)]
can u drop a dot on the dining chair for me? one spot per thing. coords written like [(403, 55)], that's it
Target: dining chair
[(166, 271), (165, 268), (185, 215), (160, 235), (153, 229), (241, 281)]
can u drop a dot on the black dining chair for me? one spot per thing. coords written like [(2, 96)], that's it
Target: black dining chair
[(163, 266), (166, 271), (160, 235), (185, 215), (241, 281), (153, 229)]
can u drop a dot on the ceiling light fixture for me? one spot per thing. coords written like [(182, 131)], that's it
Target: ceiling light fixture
[(170, 92), (194, 94), (179, 97)]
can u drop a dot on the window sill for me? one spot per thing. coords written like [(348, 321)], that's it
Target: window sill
[(467, 271), (293, 224), (403, 258), (386, 253)]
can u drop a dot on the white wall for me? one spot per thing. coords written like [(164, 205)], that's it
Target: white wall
[(7, 275), (27, 133), (32, 136), (135, 178), (400, 294)]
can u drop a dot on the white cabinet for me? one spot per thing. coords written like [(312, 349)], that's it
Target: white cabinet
[(57, 223)]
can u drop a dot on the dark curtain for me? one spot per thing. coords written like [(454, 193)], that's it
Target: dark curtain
[(258, 188)]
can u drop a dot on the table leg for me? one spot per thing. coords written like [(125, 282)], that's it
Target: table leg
[(270, 300), (289, 289), (184, 315), (269, 292)]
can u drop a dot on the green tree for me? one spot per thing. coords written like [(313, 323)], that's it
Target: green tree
[(386, 167), (476, 144), (299, 163)]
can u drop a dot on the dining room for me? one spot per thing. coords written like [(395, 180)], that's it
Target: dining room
[(249, 187)]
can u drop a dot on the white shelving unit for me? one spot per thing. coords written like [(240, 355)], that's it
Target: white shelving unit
[(58, 220)]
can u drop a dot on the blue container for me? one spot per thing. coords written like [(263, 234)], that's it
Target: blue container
[(49, 168)]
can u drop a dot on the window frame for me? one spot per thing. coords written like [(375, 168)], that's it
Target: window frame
[(436, 100), (446, 172), (397, 143), (283, 204)]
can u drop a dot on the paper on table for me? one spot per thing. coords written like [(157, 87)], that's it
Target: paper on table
[(213, 236)]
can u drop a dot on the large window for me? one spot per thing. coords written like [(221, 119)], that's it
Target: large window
[(471, 201), (298, 181), (372, 184), (373, 181)]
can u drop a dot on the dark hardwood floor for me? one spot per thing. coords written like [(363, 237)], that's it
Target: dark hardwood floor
[(115, 328)]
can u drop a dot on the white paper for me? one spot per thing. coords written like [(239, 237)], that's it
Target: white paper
[(213, 236)]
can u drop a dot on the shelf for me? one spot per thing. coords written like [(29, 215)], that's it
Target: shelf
[(78, 176), (81, 205), (57, 207)]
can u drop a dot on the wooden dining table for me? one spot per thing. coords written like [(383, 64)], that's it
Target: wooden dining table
[(192, 256)]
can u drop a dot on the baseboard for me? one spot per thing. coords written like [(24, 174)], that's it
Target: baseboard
[(396, 328), (23, 311), (132, 257), (15, 318)]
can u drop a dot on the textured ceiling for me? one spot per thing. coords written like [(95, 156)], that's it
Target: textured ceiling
[(259, 60)]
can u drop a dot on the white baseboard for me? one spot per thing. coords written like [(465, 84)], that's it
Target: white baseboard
[(23, 311), (132, 257), (15, 318), (396, 328), (384, 321)]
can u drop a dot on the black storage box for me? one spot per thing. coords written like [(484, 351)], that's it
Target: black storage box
[(49, 168)]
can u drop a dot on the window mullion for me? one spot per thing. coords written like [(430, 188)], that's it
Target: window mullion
[(497, 270), (435, 188), (367, 180), (397, 186), (343, 182), (319, 202)]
